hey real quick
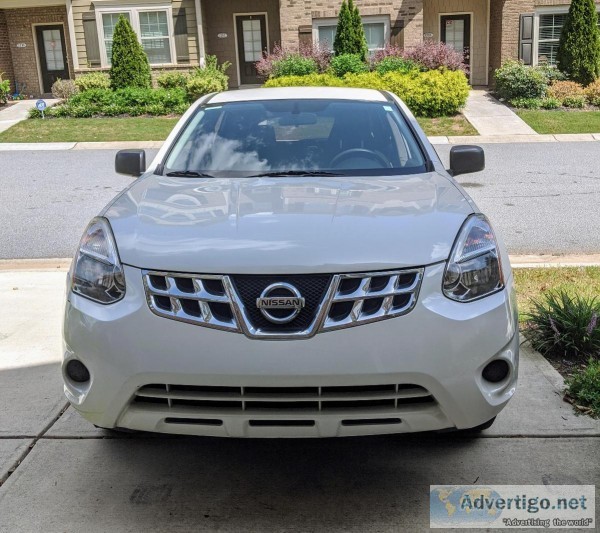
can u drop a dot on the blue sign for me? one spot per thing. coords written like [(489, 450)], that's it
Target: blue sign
[(41, 105)]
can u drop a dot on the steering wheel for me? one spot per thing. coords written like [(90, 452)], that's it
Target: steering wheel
[(370, 154)]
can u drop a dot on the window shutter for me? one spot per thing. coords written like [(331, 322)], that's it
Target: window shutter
[(526, 39), (90, 34), (181, 36)]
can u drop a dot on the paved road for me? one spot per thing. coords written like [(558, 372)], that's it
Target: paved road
[(543, 198)]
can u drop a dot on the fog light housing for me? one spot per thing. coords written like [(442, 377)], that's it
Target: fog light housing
[(77, 371), (496, 371)]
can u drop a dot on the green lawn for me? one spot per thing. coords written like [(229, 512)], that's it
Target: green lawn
[(89, 129), (456, 125), (531, 283), (562, 121)]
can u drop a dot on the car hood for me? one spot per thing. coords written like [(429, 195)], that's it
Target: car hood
[(287, 225)]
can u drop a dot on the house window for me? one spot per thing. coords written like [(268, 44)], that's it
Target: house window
[(377, 32), (550, 27), (153, 26)]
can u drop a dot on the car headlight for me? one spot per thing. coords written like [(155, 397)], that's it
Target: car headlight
[(97, 272), (474, 269)]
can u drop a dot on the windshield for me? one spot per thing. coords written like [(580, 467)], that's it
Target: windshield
[(329, 137)]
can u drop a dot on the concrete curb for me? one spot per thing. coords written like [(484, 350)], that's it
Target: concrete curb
[(62, 264), (459, 139)]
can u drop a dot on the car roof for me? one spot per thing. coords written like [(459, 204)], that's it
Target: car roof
[(295, 93)]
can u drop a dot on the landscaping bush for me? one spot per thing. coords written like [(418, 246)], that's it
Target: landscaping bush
[(592, 93), (526, 103), (93, 80), (293, 65), (436, 55), (394, 64), (350, 34), (565, 89), (550, 103), (63, 89), (318, 53), (4, 89), (575, 101), (347, 63), (565, 326), (551, 73), (172, 80), (431, 94), (129, 62), (583, 388), (578, 53), (516, 80), (132, 101), (208, 79)]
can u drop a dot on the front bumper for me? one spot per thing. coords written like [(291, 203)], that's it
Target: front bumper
[(441, 346)]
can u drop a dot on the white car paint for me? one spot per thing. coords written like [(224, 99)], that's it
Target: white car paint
[(198, 225)]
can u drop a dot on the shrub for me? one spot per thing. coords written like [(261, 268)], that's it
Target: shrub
[(350, 34), (435, 55), (389, 50), (129, 62), (4, 89), (592, 93), (432, 94), (583, 387), (526, 103), (550, 103), (93, 80), (208, 79), (575, 101), (578, 53), (345, 63), (565, 326), (317, 53), (293, 65), (516, 80), (551, 73), (565, 89), (172, 80), (63, 89), (394, 64)]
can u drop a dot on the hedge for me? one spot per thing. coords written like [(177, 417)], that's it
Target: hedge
[(434, 93)]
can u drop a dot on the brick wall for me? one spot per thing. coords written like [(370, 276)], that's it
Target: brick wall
[(406, 17), (20, 30), (6, 67)]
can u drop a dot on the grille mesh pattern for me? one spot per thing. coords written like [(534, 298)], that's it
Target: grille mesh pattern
[(304, 400), (312, 288)]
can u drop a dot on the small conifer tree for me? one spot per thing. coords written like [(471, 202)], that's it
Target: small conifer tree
[(129, 63)]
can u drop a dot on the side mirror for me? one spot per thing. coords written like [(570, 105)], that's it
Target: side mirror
[(130, 162), (466, 159)]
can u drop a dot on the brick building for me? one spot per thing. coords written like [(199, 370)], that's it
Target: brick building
[(41, 40)]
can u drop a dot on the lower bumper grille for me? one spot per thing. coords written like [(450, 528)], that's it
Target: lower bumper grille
[(299, 400)]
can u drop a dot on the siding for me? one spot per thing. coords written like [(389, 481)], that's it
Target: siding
[(81, 6)]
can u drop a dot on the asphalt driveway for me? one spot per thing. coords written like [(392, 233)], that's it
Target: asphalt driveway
[(60, 474)]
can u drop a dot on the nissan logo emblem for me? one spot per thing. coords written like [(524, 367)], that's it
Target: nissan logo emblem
[(280, 303)]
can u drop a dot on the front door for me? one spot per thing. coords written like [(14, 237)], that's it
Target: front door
[(53, 54), (456, 33), (252, 42)]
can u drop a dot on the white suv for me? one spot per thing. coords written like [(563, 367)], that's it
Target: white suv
[(294, 263)]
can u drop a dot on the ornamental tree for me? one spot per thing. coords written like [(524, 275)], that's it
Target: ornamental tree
[(129, 62), (350, 34), (579, 47)]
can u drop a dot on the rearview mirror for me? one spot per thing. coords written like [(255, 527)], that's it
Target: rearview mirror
[(130, 162), (466, 159)]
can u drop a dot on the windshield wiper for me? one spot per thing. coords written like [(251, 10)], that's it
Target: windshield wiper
[(188, 174), (295, 173)]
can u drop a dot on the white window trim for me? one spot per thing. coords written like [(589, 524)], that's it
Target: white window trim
[(366, 19), (546, 10), (133, 11)]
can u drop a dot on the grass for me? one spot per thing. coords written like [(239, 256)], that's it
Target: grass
[(562, 121), (89, 130), (456, 125), (531, 283)]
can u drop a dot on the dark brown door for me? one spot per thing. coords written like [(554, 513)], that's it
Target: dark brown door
[(456, 32), (52, 53), (252, 42)]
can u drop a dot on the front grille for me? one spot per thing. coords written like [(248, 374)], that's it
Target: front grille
[(330, 301), (302, 400), (311, 287)]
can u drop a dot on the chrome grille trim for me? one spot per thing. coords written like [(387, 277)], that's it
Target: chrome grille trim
[(375, 296), (305, 400)]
